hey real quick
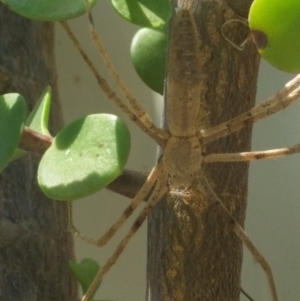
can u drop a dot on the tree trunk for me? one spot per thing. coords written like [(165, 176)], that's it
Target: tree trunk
[(193, 255), (35, 245)]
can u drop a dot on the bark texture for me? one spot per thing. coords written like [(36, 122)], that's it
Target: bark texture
[(35, 245), (193, 255)]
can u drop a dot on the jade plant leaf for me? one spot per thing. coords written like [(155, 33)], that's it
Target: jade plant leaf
[(146, 13), (275, 32), (37, 119), (13, 111), (84, 272), (148, 53), (39, 116), (48, 10), (84, 157)]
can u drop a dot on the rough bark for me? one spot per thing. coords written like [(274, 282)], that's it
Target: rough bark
[(34, 242), (193, 255)]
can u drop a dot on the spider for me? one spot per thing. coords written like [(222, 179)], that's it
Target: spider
[(185, 139)]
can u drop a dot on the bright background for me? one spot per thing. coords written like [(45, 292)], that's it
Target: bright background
[(273, 213)]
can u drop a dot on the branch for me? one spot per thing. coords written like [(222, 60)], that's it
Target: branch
[(32, 141), (129, 183)]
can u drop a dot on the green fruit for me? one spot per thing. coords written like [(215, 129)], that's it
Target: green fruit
[(275, 28), (148, 54)]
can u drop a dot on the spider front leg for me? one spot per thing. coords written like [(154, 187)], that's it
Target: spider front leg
[(274, 104), (145, 124), (279, 101)]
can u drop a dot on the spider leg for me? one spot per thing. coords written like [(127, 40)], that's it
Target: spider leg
[(279, 101), (137, 109), (141, 195), (253, 155), (110, 93), (160, 189), (207, 190), (246, 295)]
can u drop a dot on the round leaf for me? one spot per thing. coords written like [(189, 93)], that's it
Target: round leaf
[(146, 13), (37, 119), (48, 10), (85, 271), (84, 157), (13, 110), (275, 31), (148, 54)]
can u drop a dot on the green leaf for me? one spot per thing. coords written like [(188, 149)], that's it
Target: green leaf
[(85, 271), (148, 55), (146, 13), (39, 116), (18, 153), (13, 110), (275, 31), (48, 10), (37, 119), (84, 157)]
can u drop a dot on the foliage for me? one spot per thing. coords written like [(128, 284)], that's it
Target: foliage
[(148, 49), (275, 32), (13, 110), (85, 271), (84, 157), (146, 13), (48, 10)]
